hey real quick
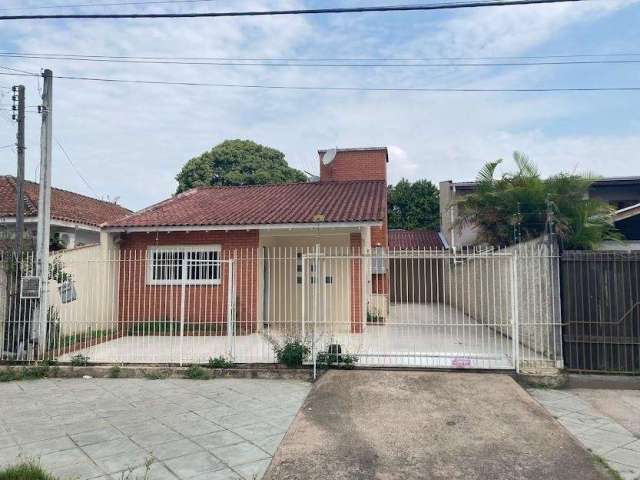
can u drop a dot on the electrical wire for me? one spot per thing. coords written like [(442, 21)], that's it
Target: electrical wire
[(339, 88), (109, 4), (323, 59), (73, 165), (309, 11), (331, 65)]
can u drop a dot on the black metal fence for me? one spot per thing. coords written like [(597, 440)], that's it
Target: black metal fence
[(601, 311)]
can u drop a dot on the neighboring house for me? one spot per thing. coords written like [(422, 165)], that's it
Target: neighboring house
[(400, 239), (345, 210), (619, 192), (627, 221), (76, 218)]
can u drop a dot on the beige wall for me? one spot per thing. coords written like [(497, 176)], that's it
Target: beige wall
[(283, 306), (482, 288), (455, 235), (94, 272)]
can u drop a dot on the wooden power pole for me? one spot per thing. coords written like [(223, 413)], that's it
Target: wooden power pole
[(19, 90)]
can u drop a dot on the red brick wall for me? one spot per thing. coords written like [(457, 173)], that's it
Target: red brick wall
[(205, 305), (356, 284), (355, 165)]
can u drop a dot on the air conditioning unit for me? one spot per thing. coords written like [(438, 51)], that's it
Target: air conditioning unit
[(30, 287)]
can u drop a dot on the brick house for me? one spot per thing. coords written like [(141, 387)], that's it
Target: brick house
[(75, 218), (192, 256)]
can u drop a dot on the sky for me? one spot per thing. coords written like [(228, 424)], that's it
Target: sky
[(126, 142)]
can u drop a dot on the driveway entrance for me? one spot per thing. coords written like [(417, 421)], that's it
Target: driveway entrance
[(431, 425)]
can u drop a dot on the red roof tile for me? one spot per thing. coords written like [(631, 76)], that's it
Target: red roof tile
[(415, 239), (65, 205), (356, 201)]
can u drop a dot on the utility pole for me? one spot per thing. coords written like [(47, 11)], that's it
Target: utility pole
[(44, 214), (19, 90)]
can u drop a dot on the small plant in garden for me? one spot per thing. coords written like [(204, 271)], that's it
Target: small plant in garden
[(195, 372), (25, 470), (114, 372), (79, 360), (374, 316), (155, 375), (219, 362), (334, 356), (292, 353), (9, 375)]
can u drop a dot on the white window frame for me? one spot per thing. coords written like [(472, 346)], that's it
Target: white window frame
[(183, 249)]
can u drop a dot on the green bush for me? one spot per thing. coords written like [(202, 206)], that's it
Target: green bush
[(79, 360), (195, 372), (155, 375), (9, 375), (26, 470), (114, 372), (292, 354), (334, 356), (219, 362)]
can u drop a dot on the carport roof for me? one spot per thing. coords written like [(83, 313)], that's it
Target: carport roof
[(293, 203)]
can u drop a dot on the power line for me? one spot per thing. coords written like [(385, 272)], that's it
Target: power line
[(321, 59), (109, 4), (308, 11), (315, 64), (340, 88), (75, 168)]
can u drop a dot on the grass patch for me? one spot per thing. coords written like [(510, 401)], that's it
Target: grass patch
[(26, 470), (84, 337), (155, 375), (195, 372), (172, 328), (219, 362), (44, 369), (598, 461)]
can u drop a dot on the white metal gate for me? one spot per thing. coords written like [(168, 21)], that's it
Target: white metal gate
[(437, 309)]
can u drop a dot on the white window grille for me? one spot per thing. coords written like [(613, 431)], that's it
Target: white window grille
[(197, 265)]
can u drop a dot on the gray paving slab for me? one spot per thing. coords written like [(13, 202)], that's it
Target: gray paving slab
[(108, 429), (592, 417)]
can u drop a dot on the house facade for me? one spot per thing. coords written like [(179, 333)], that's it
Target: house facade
[(75, 218), (212, 252)]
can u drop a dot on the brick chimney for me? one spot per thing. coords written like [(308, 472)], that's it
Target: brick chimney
[(355, 164)]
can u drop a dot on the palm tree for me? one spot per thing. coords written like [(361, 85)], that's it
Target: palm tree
[(517, 206)]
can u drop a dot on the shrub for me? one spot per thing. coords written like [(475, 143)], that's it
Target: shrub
[(26, 470), (114, 372), (79, 360), (219, 362), (334, 356), (9, 374), (155, 375), (195, 372), (292, 353)]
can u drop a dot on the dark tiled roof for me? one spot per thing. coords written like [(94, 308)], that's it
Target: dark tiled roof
[(357, 201), (65, 205), (414, 239)]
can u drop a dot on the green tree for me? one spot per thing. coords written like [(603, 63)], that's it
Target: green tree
[(237, 162), (414, 205), (518, 205)]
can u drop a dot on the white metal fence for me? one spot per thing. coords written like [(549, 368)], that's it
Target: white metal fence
[(469, 309)]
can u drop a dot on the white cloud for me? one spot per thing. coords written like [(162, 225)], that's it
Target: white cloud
[(131, 140)]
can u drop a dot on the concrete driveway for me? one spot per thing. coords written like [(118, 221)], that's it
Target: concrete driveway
[(431, 425)]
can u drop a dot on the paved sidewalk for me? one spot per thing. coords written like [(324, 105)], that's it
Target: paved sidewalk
[(578, 411), (99, 428)]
